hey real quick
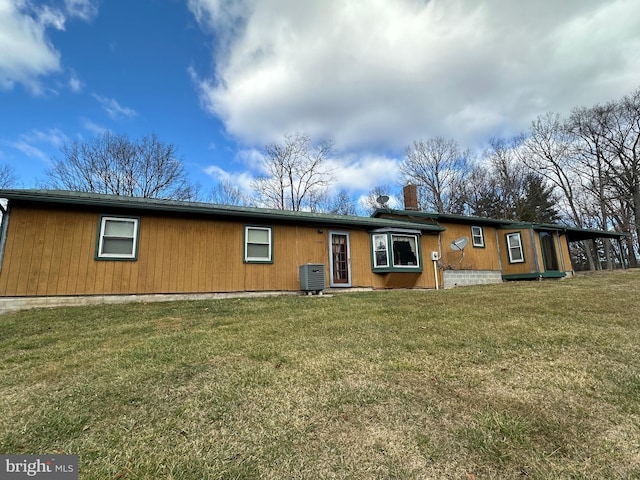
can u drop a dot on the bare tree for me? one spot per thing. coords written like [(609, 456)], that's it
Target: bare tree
[(608, 141), (621, 126), (596, 200), (548, 150), (439, 168), (113, 164), (298, 175), (496, 185), (339, 204), (8, 176), (226, 193)]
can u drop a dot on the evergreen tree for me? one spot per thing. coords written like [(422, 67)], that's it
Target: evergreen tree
[(537, 203)]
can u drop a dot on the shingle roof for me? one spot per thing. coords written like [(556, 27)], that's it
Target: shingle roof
[(574, 233), (64, 197)]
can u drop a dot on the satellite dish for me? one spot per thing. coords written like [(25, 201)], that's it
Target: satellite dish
[(382, 200), (459, 243)]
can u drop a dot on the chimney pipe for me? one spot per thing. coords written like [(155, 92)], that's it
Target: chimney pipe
[(410, 197)]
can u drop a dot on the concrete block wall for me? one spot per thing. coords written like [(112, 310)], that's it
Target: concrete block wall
[(461, 278), (13, 304)]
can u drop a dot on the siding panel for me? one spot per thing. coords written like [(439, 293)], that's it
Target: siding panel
[(52, 252)]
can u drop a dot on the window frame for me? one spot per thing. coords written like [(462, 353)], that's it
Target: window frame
[(269, 257), (481, 243), (520, 247), (374, 248), (391, 266), (101, 255)]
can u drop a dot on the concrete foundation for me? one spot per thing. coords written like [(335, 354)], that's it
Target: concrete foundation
[(461, 278)]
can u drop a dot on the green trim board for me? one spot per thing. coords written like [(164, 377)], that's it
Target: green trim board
[(533, 275)]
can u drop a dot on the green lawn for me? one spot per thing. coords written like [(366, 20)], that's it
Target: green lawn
[(520, 380)]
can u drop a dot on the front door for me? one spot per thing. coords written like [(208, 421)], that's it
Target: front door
[(340, 259), (549, 256)]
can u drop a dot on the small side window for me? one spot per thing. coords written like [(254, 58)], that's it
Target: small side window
[(514, 247), (380, 251), (477, 236), (117, 238), (258, 245)]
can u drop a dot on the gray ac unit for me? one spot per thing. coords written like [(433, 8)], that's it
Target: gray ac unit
[(312, 277)]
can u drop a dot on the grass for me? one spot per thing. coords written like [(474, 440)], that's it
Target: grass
[(520, 380)]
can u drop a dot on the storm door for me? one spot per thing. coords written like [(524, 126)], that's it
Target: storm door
[(340, 259), (549, 256)]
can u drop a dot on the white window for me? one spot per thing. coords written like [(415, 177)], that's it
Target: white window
[(380, 251), (393, 251), (258, 246), (405, 250), (477, 235), (118, 238), (514, 247)]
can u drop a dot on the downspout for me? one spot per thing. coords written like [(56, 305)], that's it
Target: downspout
[(4, 225), (499, 251)]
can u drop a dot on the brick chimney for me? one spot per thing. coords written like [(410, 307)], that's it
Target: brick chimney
[(410, 197)]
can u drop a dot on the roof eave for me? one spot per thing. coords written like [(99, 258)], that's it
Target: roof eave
[(199, 208)]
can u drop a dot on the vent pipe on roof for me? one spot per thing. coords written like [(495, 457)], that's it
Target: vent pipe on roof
[(410, 197)]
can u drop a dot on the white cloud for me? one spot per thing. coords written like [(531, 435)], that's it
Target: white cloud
[(93, 127), (51, 16), (36, 143), (25, 52), (376, 74), (53, 136), (75, 84), (113, 108), (83, 9), (30, 150), (241, 180), (364, 172)]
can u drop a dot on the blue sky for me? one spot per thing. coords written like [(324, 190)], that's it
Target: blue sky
[(219, 79), (125, 69)]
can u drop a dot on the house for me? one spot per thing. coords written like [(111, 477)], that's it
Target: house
[(497, 250), (59, 243), (60, 247)]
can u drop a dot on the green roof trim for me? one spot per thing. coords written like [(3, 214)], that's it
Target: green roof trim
[(573, 233), (116, 202)]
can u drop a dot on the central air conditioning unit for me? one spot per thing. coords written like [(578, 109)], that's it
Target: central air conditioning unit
[(312, 278)]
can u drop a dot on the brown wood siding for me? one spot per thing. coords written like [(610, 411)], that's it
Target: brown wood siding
[(564, 255), (475, 258), (528, 248), (52, 252)]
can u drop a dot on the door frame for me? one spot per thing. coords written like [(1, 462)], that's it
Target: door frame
[(331, 266), (552, 246)]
